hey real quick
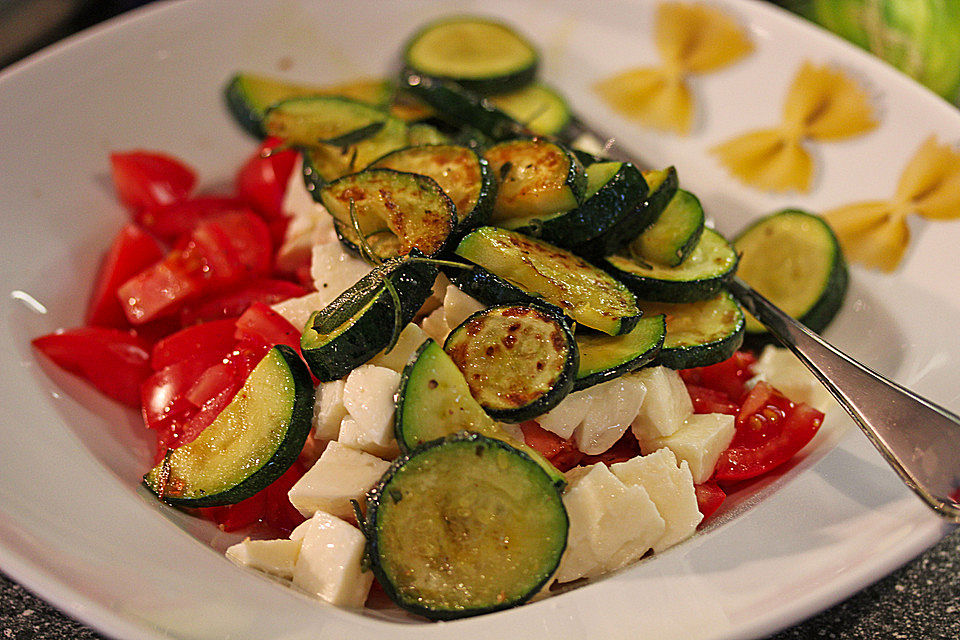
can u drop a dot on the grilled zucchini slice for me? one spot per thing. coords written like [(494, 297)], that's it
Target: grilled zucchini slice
[(395, 211), (699, 277), (793, 258), (482, 55), (250, 444), (674, 234), (517, 268), (464, 526), (604, 357), (698, 333), (519, 360), (538, 107)]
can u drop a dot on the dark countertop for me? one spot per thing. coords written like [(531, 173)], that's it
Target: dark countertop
[(920, 601)]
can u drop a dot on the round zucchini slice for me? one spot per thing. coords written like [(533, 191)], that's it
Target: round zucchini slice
[(394, 211), (249, 445), (462, 174), (540, 108), (794, 260), (699, 277), (481, 54), (519, 360), (674, 233), (698, 333), (604, 357), (464, 526)]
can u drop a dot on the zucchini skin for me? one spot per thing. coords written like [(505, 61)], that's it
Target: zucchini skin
[(370, 332), (299, 424), (526, 403), (677, 353), (547, 506), (653, 328)]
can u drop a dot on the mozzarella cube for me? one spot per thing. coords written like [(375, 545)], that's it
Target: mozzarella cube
[(611, 524), (666, 405), (276, 557), (435, 325), (297, 311), (614, 408), (787, 374), (334, 270), (369, 396), (340, 475), (328, 410), (699, 441), (329, 563), (353, 434), (397, 358), (310, 223), (458, 306), (564, 418), (670, 486)]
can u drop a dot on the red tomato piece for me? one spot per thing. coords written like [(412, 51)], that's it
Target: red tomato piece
[(278, 512), (164, 394), (709, 497), (233, 517), (729, 376), (148, 179), (707, 400), (115, 362), (770, 430), (158, 289), (132, 251), (261, 324), (233, 302), (562, 454), (173, 220), (209, 342), (262, 180)]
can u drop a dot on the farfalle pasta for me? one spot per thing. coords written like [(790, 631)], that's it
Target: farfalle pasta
[(876, 233), (691, 39), (822, 104)]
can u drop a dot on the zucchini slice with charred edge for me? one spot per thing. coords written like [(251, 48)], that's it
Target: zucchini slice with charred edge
[(462, 174), (699, 277), (482, 55), (250, 444), (698, 333), (526, 269), (793, 258), (661, 186), (464, 526), (434, 401), (396, 212), (604, 357), (361, 322), (519, 360), (614, 190), (674, 233), (541, 109), (249, 95), (535, 179)]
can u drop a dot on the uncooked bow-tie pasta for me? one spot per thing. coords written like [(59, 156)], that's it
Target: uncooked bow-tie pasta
[(875, 233), (822, 104), (691, 39)]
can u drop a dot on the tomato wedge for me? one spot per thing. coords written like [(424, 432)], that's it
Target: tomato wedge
[(148, 179), (132, 251), (171, 221), (563, 454), (115, 362), (233, 302), (709, 497), (770, 430), (262, 180), (208, 342)]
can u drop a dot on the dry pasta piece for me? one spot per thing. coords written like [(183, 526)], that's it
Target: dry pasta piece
[(822, 104), (876, 233), (691, 39)]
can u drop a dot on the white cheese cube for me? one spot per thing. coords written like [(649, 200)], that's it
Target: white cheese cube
[(611, 524), (329, 563), (458, 306), (564, 418), (787, 374), (614, 408), (276, 557), (340, 475), (328, 410), (435, 325), (297, 311), (352, 434), (369, 396), (334, 270), (397, 358), (699, 441), (666, 405), (670, 486), (310, 223)]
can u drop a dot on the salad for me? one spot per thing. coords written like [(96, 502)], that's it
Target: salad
[(434, 343)]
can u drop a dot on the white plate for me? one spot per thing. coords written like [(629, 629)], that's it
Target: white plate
[(75, 528)]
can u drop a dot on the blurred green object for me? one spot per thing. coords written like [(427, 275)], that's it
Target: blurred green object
[(919, 37)]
